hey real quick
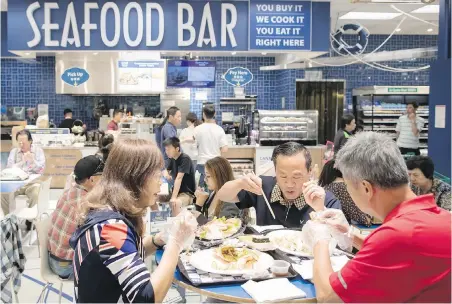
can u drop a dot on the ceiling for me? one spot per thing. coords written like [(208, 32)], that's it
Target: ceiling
[(409, 26)]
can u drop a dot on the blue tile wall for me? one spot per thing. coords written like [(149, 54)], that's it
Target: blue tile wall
[(27, 84)]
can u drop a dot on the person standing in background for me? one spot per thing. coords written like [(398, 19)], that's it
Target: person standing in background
[(169, 128), (117, 117), (187, 140), (409, 129), (68, 121), (348, 125), (211, 140)]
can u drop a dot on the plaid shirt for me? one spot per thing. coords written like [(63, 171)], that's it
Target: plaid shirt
[(64, 222), (277, 196), (12, 257)]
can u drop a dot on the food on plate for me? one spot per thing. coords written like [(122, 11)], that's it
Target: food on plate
[(261, 239), (219, 228), (291, 242), (231, 258)]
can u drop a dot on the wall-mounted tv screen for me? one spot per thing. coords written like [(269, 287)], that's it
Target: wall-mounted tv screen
[(190, 74)]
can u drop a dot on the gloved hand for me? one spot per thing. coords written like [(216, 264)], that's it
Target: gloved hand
[(313, 232), (339, 227), (182, 230)]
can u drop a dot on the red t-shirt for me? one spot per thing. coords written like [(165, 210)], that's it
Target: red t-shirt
[(112, 126), (406, 259)]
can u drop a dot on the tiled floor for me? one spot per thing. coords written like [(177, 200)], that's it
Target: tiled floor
[(32, 283)]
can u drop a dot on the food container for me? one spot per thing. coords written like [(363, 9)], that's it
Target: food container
[(280, 268)]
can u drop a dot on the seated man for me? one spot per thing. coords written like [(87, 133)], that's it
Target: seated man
[(180, 166), (406, 259), (87, 173), (291, 194), (29, 159), (421, 170)]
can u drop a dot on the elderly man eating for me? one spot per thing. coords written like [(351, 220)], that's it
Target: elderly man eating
[(292, 195), (406, 259)]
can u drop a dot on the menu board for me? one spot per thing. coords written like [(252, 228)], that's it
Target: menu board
[(142, 76), (191, 74)]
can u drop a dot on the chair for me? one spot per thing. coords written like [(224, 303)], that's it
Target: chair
[(32, 214), (47, 275)]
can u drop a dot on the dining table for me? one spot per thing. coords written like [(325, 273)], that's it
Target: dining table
[(233, 292), (10, 187)]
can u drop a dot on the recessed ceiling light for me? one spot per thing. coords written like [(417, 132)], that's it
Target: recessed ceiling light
[(428, 9), (95, 53), (263, 53), (60, 53), (430, 30), (398, 30), (233, 53), (27, 53), (369, 16), (162, 53)]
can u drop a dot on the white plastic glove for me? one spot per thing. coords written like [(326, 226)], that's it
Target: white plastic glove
[(313, 232), (182, 230), (340, 229)]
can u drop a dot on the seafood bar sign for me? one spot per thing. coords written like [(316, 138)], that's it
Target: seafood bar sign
[(239, 25)]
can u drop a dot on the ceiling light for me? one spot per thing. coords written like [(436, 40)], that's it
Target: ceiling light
[(263, 53), (369, 16), (233, 53), (428, 9), (162, 53), (398, 30), (27, 54), (430, 30), (95, 53)]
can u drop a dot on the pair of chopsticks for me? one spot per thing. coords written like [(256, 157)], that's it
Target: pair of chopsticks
[(266, 201)]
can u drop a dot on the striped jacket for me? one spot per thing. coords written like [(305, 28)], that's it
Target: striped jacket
[(108, 261)]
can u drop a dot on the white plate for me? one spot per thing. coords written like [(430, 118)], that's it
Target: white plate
[(280, 233), (203, 259)]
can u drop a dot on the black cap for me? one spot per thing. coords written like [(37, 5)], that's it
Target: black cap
[(87, 167), (67, 111)]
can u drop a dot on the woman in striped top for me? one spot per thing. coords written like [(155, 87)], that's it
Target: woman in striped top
[(109, 245)]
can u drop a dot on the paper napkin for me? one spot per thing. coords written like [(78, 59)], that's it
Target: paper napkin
[(274, 290)]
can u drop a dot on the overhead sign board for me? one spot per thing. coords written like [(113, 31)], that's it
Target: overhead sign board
[(238, 76), (238, 25)]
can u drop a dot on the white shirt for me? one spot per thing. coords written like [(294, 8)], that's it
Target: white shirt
[(191, 149), (406, 137), (210, 138)]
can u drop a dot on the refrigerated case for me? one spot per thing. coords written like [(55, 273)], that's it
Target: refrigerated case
[(276, 127), (378, 108)]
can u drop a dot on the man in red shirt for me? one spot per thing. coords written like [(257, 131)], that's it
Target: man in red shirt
[(117, 117), (87, 173), (406, 259)]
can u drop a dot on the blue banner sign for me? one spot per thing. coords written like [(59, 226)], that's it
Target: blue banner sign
[(191, 74), (238, 76), (280, 25), (171, 25), (75, 76)]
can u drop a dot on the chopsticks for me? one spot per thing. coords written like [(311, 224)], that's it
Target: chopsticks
[(266, 201)]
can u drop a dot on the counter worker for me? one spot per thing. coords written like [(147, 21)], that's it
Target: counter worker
[(87, 173), (406, 259), (169, 128), (68, 121), (421, 170), (31, 160), (408, 130), (117, 118), (211, 140), (348, 125), (291, 194), (182, 171)]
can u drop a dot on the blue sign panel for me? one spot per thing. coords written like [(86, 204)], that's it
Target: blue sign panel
[(238, 76), (280, 25), (191, 74), (75, 76), (128, 25)]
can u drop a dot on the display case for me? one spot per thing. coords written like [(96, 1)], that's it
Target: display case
[(378, 108), (276, 127)]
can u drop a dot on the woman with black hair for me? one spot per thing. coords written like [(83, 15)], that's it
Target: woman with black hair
[(331, 179), (348, 125)]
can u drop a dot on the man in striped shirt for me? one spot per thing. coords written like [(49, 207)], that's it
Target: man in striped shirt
[(408, 130)]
